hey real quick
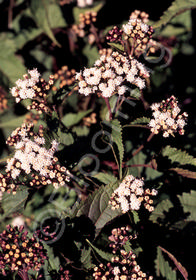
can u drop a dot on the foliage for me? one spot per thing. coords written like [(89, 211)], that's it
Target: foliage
[(97, 113)]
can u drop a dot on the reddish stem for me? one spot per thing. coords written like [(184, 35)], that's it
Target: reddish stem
[(109, 108)]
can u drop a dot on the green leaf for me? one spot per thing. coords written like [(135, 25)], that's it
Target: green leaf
[(127, 246), (47, 15), (117, 47), (159, 212), (104, 255), (178, 156), (13, 123), (71, 119), (139, 122), (188, 201), (135, 93), (96, 207), (116, 137), (86, 258), (177, 263), (11, 66), (65, 138), (91, 53), (163, 268), (13, 203), (81, 130), (105, 178), (142, 120), (26, 33), (184, 172), (177, 7), (179, 25)]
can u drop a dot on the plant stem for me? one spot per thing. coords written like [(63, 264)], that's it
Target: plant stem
[(141, 165), (93, 29), (142, 146), (109, 108), (146, 106), (23, 274), (10, 13), (119, 102)]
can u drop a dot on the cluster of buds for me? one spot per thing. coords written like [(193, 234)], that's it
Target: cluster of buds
[(130, 195), (31, 118), (119, 237), (137, 14), (39, 106), (138, 33), (109, 74), (86, 23), (65, 77), (167, 117), (33, 159), (33, 87), (46, 234), (18, 252), (115, 35), (3, 100), (123, 267), (8, 184), (62, 274), (87, 18)]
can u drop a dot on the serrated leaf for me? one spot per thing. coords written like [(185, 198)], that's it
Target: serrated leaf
[(71, 119), (96, 207), (86, 258), (182, 270), (139, 122), (127, 246), (142, 120), (163, 268), (105, 178), (104, 255), (47, 14), (116, 46), (179, 25), (13, 203), (188, 202), (184, 172), (178, 156), (177, 7), (135, 93), (160, 210), (116, 137), (100, 211)]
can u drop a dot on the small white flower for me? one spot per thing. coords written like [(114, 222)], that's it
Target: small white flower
[(116, 270)]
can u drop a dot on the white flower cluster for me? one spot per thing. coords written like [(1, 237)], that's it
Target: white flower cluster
[(167, 118), (31, 156), (132, 23), (109, 74), (130, 194), (24, 88), (84, 3)]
